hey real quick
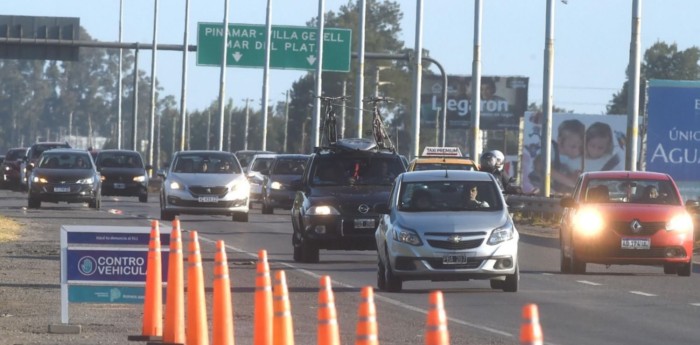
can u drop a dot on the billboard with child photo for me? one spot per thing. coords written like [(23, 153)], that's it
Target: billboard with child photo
[(579, 143)]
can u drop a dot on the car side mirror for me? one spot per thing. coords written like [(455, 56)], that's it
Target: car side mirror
[(382, 208), (567, 202)]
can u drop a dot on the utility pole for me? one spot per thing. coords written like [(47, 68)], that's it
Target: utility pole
[(547, 98), (417, 77), (119, 80), (245, 124), (633, 72), (222, 77), (154, 52), (343, 110), (318, 90), (134, 123), (286, 120), (359, 79), (230, 123), (208, 128), (183, 84), (476, 84), (266, 73)]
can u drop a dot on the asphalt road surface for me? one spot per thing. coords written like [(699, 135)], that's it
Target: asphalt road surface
[(609, 305)]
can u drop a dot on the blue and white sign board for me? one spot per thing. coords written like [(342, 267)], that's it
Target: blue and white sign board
[(673, 132), (105, 264)]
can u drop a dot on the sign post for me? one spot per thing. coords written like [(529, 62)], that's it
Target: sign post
[(291, 47)]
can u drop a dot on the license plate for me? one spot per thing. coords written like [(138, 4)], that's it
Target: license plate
[(364, 223), (119, 186), (61, 189), (636, 243), (454, 259), (208, 199)]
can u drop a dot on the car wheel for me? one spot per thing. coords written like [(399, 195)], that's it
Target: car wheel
[(240, 217), (309, 251), (33, 203), (143, 198), (393, 283), (166, 215), (381, 278), (684, 270), (670, 269), (297, 248), (564, 261), (267, 209), (577, 266), (512, 281)]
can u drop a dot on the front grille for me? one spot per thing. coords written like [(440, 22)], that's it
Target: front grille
[(436, 263), (648, 228), (351, 209), (464, 244), (201, 190)]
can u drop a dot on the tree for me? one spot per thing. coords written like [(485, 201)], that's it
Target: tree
[(661, 61)]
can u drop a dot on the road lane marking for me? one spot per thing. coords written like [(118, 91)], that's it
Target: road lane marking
[(376, 297), (589, 283), (643, 293), (695, 304)]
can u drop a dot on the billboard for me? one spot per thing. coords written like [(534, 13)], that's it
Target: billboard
[(503, 101), (673, 132), (579, 143)]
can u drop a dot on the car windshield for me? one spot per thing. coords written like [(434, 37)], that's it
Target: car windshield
[(261, 163), (65, 161), (13, 155), (119, 160), (289, 166), (40, 148), (631, 191), (442, 166), (206, 164), (337, 170), (436, 196)]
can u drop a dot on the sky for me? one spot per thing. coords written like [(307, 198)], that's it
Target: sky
[(591, 40)]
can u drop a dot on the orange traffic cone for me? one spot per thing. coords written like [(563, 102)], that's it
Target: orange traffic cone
[(436, 327), (366, 333), (328, 333), (153, 302), (197, 331), (174, 326), (531, 331), (282, 329), (263, 302), (222, 309)]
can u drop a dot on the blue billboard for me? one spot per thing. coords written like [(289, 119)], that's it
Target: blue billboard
[(673, 132)]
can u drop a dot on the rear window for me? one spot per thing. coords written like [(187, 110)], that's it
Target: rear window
[(340, 170), (119, 160)]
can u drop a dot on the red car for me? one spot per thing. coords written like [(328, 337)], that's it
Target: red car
[(625, 217)]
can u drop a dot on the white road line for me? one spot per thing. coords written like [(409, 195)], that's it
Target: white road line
[(377, 297), (547, 274), (695, 304), (643, 293), (589, 283)]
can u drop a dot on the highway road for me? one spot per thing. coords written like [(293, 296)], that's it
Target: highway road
[(609, 305)]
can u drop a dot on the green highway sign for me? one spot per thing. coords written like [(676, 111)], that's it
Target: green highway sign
[(292, 47)]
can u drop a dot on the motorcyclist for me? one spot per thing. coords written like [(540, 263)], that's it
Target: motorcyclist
[(493, 162)]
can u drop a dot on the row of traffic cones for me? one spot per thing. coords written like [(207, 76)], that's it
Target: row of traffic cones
[(272, 313)]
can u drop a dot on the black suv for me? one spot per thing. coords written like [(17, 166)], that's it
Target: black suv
[(344, 185)]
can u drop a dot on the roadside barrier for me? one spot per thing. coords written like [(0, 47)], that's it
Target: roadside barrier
[(538, 206), (152, 327), (263, 302), (222, 307), (436, 326), (174, 325), (366, 332), (282, 327), (531, 331), (328, 333), (197, 331)]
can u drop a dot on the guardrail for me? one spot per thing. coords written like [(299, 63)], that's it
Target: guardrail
[(538, 206)]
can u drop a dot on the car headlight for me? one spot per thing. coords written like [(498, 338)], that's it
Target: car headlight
[(38, 179), (7, 168), (141, 178), (102, 178), (322, 210), (276, 185), (406, 236), (89, 180), (502, 234), (175, 185), (588, 221), (680, 222), (241, 189)]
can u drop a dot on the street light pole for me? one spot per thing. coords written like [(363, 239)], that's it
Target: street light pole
[(154, 52), (119, 81), (319, 71), (183, 88), (547, 98), (222, 78), (245, 126), (633, 72), (266, 72), (286, 120), (476, 84), (417, 77)]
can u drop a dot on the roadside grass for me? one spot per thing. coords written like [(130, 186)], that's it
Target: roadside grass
[(548, 221), (9, 229)]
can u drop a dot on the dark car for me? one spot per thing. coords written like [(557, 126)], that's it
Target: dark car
[(64, 175), (245, 156), (336, 201), (11, 167), (123, 173), (32, 157), (284, 172)]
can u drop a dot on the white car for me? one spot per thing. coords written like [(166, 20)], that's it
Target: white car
[(258, 168), (446, 225), (204, 182)]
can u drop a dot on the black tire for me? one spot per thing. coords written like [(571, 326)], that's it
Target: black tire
[(267, 209), (577, 266), (296, 242), (564, 261), (381, 278), (512, 281), (309, 251), (670, 269), (166, 215), (143, 197), (33, 203), (684, 270), (393, 283), (496, 284), (240, 217)]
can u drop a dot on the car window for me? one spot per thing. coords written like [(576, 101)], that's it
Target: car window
[(261, 163), (119, 160), (289, 167), (206, 164), (442, 166), (437, 196), (337, 170), (631, 191), (65, 161)]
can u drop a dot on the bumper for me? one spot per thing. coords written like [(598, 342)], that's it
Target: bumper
[(280, 198), (428, 263), (11, 178), (664, 248), (124, 189), (75, 193), (189, 205), (340, 233)]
